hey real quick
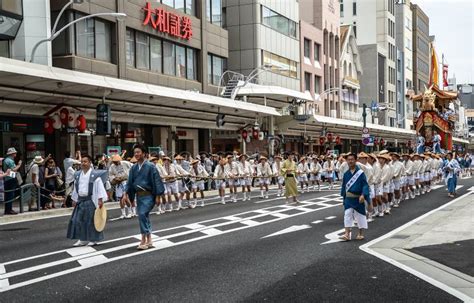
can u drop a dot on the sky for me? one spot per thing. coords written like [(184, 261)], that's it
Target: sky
[(452, 23)]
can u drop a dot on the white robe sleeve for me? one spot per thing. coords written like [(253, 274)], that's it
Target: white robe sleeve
[(98, 192), (74, 195)]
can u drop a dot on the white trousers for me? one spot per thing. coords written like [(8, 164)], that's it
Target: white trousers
[(350, 215)]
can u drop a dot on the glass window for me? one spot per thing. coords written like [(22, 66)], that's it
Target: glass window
[(281, 65), (190, 7), (317, 84), (169, 58), (103, 41), (307, 81), (168, 2), (4, 49), (216, 12), (143, 50), (306, 48), (209, 69), (217, 68), (293, 69), (208, 10), (85, 37), (130, 47), (292, 29), (278, 22), (180, 61), (156, 55), (317, 49), (179, 5), (191, 64)]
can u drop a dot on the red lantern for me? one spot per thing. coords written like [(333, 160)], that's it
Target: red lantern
[(57, 121), (321, 140), (244, 134), (64, 116), (382, 142), (81, 123), (329, 136), (376, 141), (255, 134), (48, 126), (338, 140), (72, 120)]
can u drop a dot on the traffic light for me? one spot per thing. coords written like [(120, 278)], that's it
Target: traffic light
[(220, 120)]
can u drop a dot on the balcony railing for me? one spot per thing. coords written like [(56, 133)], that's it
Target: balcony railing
[(350, 98)]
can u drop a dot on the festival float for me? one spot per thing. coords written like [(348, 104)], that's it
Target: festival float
[(436, 116)]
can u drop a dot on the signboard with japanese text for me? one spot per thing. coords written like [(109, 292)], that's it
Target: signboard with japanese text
[(168, 22)]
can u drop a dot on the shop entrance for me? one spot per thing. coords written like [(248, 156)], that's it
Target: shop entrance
[(184, 145), (16, 140)]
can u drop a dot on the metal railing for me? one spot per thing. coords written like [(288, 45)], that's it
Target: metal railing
[(24, 195)]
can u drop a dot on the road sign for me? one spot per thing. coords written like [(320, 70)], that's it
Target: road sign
[(365, 135), (368, 141), (365, 130)]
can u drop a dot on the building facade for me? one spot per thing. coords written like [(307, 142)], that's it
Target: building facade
[(374, 27), (158, 70), (421, 48), (404, 42), (312, 73), (265, 33), (350, 74), (323, 15)]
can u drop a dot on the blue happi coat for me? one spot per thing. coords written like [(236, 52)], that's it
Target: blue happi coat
[(358, 188), (147, 178)]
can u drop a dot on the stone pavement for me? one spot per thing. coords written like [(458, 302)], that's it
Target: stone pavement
[(437, 247)]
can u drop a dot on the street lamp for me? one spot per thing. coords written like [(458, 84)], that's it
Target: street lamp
[(55, 34)]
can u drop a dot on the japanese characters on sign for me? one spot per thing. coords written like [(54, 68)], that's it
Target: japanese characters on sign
[(168, 22)]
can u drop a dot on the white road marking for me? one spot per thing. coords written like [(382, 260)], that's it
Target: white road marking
[(289, 230), (77, 251), (317, 221), (333, 237), (163, 242), (366, 248), (92, 261), (330, 218), (194, 226), (279, 215)]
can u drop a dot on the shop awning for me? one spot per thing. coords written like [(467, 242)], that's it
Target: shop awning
[(24, 84), (276, 96)]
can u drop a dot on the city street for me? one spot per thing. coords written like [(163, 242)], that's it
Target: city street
[(262, 250)]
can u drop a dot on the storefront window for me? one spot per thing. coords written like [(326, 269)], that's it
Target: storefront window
[(156, 55), (190, 7), (281, 65), (130, 48), (180, 61), (143, 50), (191, 64), (85, 38), (179, 5), (169, 55)]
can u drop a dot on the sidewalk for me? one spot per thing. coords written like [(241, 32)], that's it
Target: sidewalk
[(437, 247)]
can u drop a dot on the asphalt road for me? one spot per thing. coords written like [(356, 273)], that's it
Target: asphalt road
[(219, 253)]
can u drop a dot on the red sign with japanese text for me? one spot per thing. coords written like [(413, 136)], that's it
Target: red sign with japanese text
[(168, 22)]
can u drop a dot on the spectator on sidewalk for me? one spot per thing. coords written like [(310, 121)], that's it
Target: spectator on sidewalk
[(52, 176), (2, 183), (10, 181), (32, 177), (69, 181)]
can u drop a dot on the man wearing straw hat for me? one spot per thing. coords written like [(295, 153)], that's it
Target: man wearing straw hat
[(328, 168), (221, 173), (182, 186), (276, 166), (264, 172), (246, 174), (168, 175), (89, 194), (32, 177), (198, 175), (145, 184), (385, 178), (398, 170), (288, 170), (118, 176), (355, 192), (233, 177), (11, 182), (303, 171)]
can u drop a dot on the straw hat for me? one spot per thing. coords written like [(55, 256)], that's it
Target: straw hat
[(151, 159), (383, 152), (362, 155), (133, 160), (166, 158), (243, 155), (11, 151), (194, 162), (100, 217), (395, 154), (38, 160), (262, 158), (116, 158), (279, 157), (302, 158), (373, 156), (384, 156), (178, 157)]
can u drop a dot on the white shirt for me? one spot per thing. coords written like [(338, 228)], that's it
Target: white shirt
[(98, 190)]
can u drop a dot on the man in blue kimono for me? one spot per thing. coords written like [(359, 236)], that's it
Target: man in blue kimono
[(355, 192), (452, 169), (144, 185)]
